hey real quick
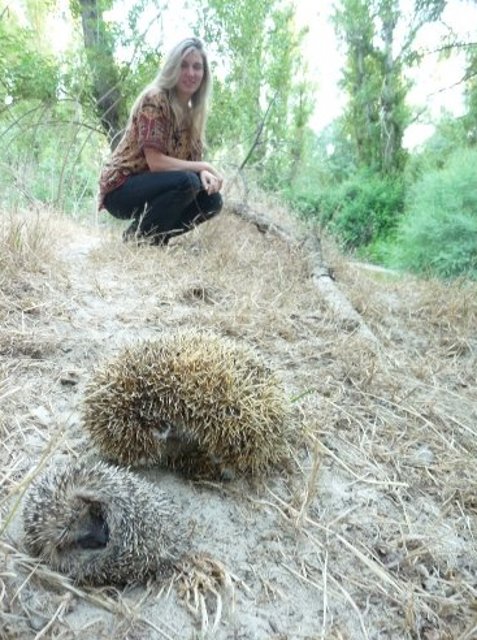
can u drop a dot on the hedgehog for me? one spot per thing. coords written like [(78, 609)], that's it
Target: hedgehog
[(100, 524), (189, 400)]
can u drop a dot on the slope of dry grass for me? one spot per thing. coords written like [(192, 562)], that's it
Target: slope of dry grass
[(372, 535)]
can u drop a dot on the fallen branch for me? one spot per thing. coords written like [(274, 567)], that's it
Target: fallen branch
[(333, 296), (320, 272), (261, 222)]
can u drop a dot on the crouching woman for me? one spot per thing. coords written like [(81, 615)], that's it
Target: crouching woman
[(156, 177)]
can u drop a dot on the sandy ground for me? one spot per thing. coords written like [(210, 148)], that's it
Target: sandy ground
[(371, 535)]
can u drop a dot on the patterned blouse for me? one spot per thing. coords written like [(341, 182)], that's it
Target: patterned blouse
[(153, 125)]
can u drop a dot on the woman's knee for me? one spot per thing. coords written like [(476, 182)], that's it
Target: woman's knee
[(116, 205), (190, 180)]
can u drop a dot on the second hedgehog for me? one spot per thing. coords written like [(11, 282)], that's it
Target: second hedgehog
[(102, 525), (189, 400)]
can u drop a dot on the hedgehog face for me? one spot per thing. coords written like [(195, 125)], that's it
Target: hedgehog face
[(89, 530), (101, 525), (79, 530)]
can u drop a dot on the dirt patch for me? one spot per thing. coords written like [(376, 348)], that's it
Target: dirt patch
[(373, 533)]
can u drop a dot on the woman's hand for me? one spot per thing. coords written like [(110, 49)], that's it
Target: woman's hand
[(209, 176), (211, 180)]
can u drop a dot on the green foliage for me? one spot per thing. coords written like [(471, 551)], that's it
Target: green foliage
[(36, 170), (450, 134), (379, 41), (470, 118), (262, 102), (50, 98), (358, 211), (25, 70), (362, 79), (364, 208), (37, 114), (332, 154), (438, 235), (239, 42), (137, 74)]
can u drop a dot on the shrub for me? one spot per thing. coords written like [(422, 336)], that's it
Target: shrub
[(370, 208), (358, 211), (438, 235)]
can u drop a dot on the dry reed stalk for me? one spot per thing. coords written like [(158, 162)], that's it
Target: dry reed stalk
[(199, 579), (311, 487), (96, 597), (374, 566), (59, 611)]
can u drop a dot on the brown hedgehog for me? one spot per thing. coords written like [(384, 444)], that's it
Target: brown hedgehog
[(101, 525), (189, 400)]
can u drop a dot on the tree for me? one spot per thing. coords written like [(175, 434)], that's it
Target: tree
[(237, 40), (470, 79), (99, 49), (27, 71), (374, 75), (261, 104), (114, 84), (291, 91)]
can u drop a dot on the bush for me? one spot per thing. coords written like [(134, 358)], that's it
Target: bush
[(370, 209), (49, 156), (358, 211), (438, 235)]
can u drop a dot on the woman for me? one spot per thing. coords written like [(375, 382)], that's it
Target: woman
[(156, 175)]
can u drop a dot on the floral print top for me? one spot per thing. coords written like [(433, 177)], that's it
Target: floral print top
[(154, 125)]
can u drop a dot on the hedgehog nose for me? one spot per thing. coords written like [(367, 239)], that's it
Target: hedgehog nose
[(97, 538)]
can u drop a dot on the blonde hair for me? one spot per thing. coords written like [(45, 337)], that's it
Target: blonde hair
[(193, 117)]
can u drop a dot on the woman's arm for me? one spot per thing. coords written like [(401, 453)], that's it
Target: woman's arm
[(210, 177)]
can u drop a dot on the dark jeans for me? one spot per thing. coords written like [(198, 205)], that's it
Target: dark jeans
[(163, 204)]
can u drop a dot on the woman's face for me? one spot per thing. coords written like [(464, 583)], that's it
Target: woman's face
[(191, 75)]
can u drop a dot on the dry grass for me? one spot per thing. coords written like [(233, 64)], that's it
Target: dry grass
[(372, 535)]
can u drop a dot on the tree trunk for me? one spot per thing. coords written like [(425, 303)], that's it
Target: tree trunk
[(391, 135), (99, 53)]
